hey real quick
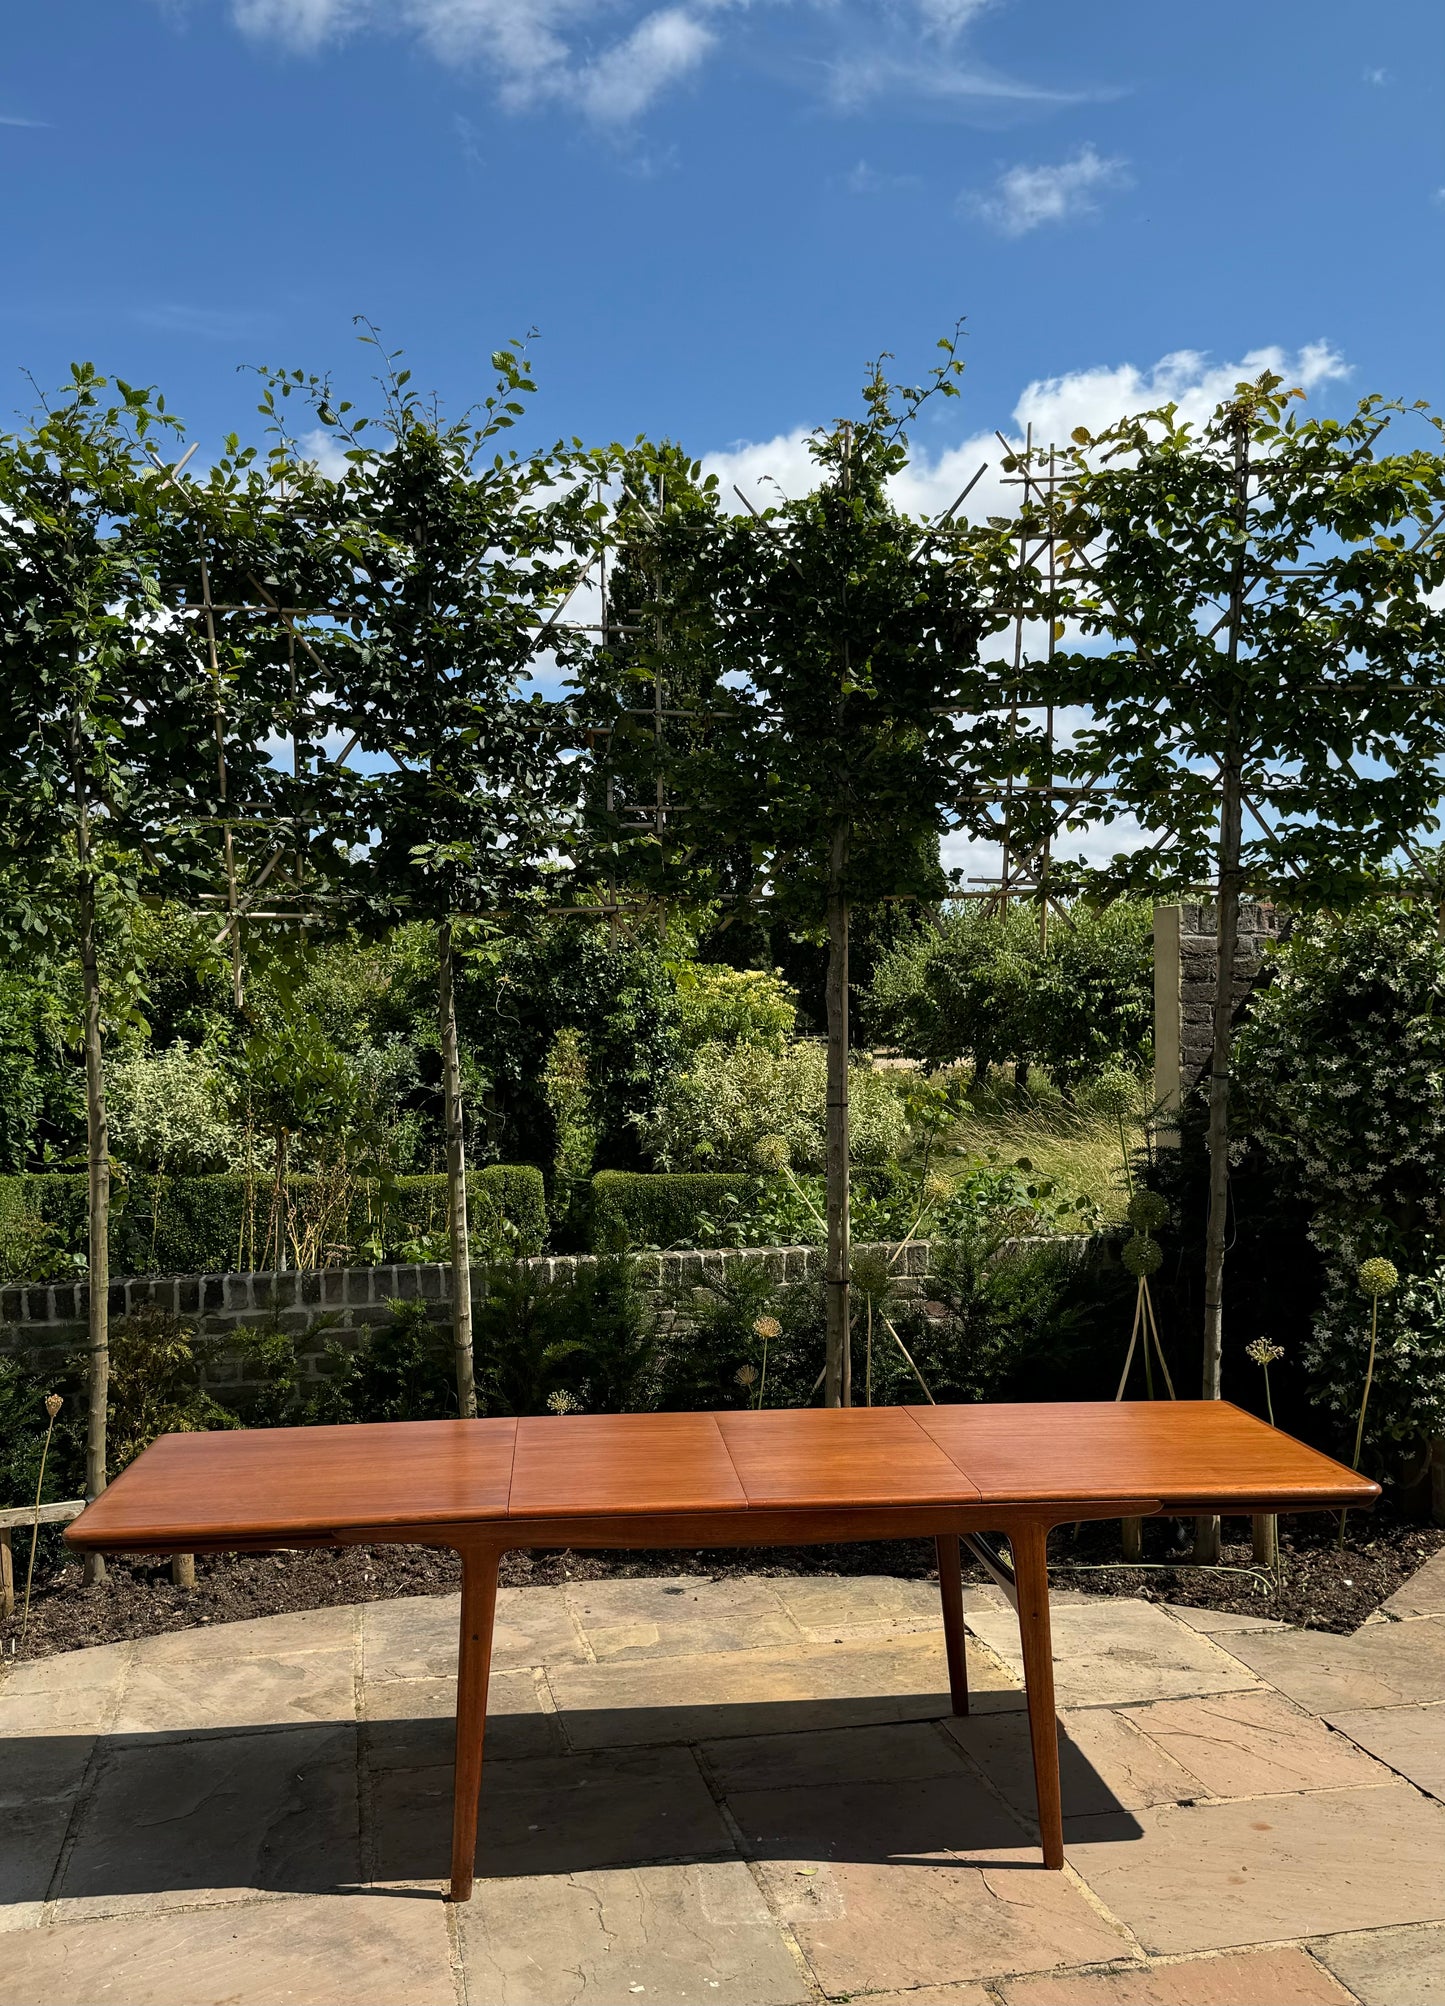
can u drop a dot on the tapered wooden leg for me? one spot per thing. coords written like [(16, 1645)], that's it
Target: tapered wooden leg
[(474, 1663), (950, 1590), (1032, 1578)]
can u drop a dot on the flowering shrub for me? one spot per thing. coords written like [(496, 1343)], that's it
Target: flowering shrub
[(712, 1114), (1341, 1085)]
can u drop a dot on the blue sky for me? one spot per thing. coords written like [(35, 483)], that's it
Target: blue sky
[(714, 212)]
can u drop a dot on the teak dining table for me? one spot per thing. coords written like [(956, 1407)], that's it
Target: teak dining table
[(779, 1477)]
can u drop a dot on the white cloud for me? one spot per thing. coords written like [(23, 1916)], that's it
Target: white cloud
[(1052, 405), (1023, 198), (623, 82), (612, 60), (1377, 76)]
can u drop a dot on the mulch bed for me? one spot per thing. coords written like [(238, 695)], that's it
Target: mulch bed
[(1320, 1588)]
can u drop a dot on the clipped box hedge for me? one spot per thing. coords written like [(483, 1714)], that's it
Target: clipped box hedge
[(193, 1225), (634, 1208)]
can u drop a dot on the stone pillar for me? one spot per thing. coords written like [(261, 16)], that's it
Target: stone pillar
[(1168, 1024)]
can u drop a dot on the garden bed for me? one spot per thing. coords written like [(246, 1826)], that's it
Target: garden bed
[(1321, 1588)]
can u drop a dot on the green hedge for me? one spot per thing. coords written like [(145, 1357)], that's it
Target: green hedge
[(193, 1225), (633, 1208)]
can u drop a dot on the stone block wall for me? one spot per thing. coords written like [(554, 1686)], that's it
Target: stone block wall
[(1185, 961), (341, 1305)]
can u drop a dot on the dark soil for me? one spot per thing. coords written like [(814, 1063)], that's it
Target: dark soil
[(1320, 1588)]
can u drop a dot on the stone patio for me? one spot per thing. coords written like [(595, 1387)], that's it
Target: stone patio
[(749, 1792)]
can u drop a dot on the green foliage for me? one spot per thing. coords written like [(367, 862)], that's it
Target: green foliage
[(527, 1346), (154, 1390), (718, 1005), (196, 1225), (402, 1371), (713, 1113), (979, 984), (1258, 594), (1341, 1092), (169, 1113), (634, 1209)]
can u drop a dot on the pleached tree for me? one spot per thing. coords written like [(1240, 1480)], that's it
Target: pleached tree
[(1263, 676), (440, 561), (108, 769), (799, 707)]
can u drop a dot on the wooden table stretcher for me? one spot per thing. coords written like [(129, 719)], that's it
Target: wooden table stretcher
[(781, 1477)]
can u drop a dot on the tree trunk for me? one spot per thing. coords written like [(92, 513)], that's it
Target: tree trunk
[(1207, 1530), (456, 1179), (1226, 940), (838, 1376), (97, 1135)]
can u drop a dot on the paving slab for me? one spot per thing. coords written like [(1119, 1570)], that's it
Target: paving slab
[(903, 1751), (964, 1994), (187, 1696), (415, 1636), (1258, 1870), (563, 1815), (170, 1821), (1423, 1594), (39, 1783), (866, 1926), (1410, 1739), (1253, 1745), (1286, 1977), (1105, 1764), (1382, 1664), (411, 1723), (331, 1629), (608, 1938), (1111, 1653), (73, 1693), (1389, 1967), (1221, 1622), (835, 1608), (32, 1838), (684, 1617), (766, 1692), (323, 1951), (916, 1882)]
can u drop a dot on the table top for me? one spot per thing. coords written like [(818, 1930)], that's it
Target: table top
[(195, 1491)]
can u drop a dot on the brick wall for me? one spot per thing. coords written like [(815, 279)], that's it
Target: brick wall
[(1185, 961), (354, 1300)]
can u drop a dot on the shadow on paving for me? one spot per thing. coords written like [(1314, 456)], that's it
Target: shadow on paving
[(329, 1806)]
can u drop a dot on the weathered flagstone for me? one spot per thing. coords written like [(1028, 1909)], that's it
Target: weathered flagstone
[(196, 1695), (1116, 1652), (1252, 1745), (607, 1937), (562, 1815), (867, 1924), (1221, 1622), (1410, 1739), (1423, 1594), (1382, 1664), (904, 1751), (1286, 1977), (1105, 1764), (331, 1629), (173, 1821), (1389, 1967), (679, 1618), (828, 1608), (73, 1694), (1214, 1876), (323, 1950), (765, 1692), (205, 1812), (415, 1637)]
